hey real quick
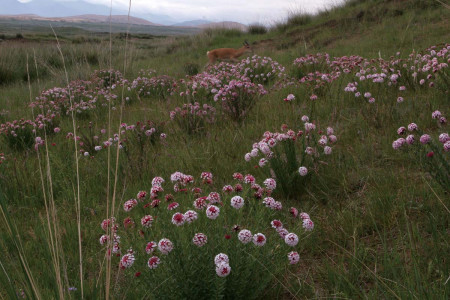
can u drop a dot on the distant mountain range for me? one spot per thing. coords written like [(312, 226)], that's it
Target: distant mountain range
[(118, 19), (123, 19), (51, 8), (71, 11), (193, 23)]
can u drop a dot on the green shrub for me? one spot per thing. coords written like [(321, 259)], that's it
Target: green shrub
[(20, 139), (3, 114), (191, 69), (7, 75), (294, 19), (223, 32), (55, 61), (92, 58), (84, 39), (257, 29), (299, 19)]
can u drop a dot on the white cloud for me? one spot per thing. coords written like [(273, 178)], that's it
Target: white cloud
[(245, 11)]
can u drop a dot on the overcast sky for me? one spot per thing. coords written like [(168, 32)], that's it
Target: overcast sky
[(245, 11)]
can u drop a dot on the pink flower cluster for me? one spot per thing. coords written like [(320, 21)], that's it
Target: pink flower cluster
[(236, 89), (107, 77), (195, 109), (261, 69), (201, 87), (319, 70), (238, 97), (193, 117), (256, 69), (79, 97), (16, 128), (138, 133), (181, 180), (213, 206), (157, 86), (291, 239), (289, 98), (417, 71), (424, 139), (200, 239), (310, 135), (127, 260), (223, 268)]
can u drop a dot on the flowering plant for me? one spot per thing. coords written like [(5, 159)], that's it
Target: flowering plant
[(201, 88), (106, 78), (187, 235), (80, 97), (20, 134), (311, 63), (157, 86), (262, 70), (238, 97), (134, 138), (257, 69), (193, 118), (293, 155), (431, 153)]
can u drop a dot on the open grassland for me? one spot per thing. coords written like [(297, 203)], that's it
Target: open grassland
[(377, 198), (9, 26)]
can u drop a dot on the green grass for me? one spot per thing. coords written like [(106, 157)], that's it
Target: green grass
[(381, 220)]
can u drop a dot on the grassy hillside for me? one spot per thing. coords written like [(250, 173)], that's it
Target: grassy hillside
[(380, 215)]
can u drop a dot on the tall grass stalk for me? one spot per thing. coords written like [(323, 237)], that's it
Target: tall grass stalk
[(14, 235), (108, 231), (273, 276), (378, 278), (434, 193), (112, 206), (50, 207), (443, 4), (77, 194)]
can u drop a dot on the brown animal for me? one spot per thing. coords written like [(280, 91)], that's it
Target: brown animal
[(227, 53)]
